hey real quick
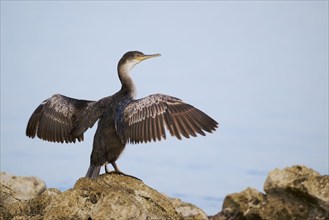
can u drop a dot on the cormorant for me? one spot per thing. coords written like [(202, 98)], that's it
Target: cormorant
[(121, 118)]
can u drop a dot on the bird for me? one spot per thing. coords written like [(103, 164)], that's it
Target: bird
[(122, 119)]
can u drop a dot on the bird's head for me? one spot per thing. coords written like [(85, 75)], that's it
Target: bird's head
[(131, 58)]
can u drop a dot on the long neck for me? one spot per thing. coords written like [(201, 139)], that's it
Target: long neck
[(127, 83)]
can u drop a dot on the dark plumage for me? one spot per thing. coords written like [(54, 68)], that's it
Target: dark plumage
[(121, 118)]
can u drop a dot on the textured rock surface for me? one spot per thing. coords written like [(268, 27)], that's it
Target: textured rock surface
[(23, 187), (292, 193), (110, 196), (188, 210), (300, 182)]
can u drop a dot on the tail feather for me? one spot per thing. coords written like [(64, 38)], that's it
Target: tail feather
[(93, 171)]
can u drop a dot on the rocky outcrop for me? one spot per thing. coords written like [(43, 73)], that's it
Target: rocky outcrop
[(23, 187), (297, 192), (109, 196)]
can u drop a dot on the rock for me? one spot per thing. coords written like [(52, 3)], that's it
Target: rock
[(234, 208), (188, 210), (23, 187), (299, 192), (7, 199), (299, 182), (296, 192), (109, 196)]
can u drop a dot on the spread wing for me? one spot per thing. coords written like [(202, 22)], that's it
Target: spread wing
[(148, 118), (62, 119)]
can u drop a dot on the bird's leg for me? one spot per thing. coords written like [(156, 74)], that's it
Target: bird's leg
[(106, 169), (116, 170)]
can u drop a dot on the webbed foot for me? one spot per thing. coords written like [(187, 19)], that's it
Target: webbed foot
[(117, 171)]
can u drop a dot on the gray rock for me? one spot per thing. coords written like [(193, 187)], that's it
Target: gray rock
[(296, 192), (299, 182), (188, 210), (23, 187), (249, 208)]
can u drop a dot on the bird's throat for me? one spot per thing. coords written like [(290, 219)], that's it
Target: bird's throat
[(127, 83)]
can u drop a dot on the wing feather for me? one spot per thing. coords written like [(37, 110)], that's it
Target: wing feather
[(158, 125), (187, 125), (194, 124), (155, 129), (162, 127), (148, 119), (62, 119), (181, 126), (149, 128)]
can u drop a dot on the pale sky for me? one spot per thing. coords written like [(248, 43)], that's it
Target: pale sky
[(259, 68)]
